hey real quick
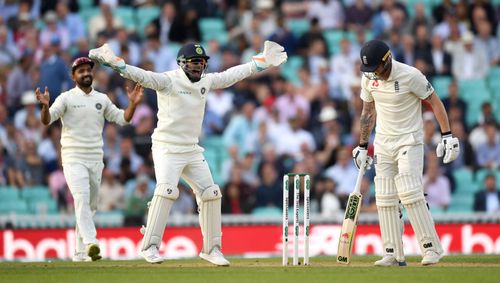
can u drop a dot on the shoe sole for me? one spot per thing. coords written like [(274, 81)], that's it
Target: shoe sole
[(402, 263), (93, 253)]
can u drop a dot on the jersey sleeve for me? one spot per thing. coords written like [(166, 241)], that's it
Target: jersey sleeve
[(420, 86), (114, 114), (57, 108), (232, 75), (148, 79), (365, 94)]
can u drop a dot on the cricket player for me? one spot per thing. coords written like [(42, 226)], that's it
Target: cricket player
[(182, 95), (392, 95), (82, 111)]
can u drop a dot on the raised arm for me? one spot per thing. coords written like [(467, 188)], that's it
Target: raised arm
[(105, 56), (272, 56), (44, 98)]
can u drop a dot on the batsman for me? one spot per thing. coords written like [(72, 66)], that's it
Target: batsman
[(392, 95), (182, 95)]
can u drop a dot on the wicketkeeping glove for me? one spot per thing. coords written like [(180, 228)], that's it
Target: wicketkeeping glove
[(360, 157), (448, 148), (105, 56), (273, 55)]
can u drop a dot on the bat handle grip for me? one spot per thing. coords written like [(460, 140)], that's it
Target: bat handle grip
[(361, 173)]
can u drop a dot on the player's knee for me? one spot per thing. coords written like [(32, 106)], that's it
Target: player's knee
[(211, 193), (410, 188), (385, 191), (167, 191)]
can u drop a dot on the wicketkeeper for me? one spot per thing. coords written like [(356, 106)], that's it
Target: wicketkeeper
[(392, 95), (182, 95)]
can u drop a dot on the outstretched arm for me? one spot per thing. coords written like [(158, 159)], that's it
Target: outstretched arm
[(106, 57), (272, 56)]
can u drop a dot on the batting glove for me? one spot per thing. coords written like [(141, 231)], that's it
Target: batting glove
[(361, 158), (273, 55), (105, 56), (448, 148)]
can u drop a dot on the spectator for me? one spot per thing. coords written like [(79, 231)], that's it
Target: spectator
[(164, 22), (441, 59), (52, 33), (488, 153), (436, 185), (136, 206), (368, 203), (8, 51), (111, 193), (53, 71), (330, 13), (19, 81), (488, 199), (330, 202), (358, 15), (240, 128), (469, 61), (72, 22), (99, 22), (30, 107), (269, 192), (185, 204), (343, 173), (454, 100)]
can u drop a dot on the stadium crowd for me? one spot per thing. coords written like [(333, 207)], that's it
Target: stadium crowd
[(300, 118)]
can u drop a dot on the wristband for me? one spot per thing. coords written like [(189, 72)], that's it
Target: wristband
[(446, 134), (363, 145)]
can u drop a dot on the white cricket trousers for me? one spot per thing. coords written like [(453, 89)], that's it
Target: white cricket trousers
[(191, 166), (84, 180)]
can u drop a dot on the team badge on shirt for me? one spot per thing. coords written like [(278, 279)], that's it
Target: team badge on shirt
[(98, 106)]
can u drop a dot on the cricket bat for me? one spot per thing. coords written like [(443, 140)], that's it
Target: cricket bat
[(350, 221)]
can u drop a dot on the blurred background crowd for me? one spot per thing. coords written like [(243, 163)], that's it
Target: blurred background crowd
[(302, 117)]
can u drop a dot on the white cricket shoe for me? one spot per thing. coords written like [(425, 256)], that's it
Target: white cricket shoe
[(93, 251), (389, 260), (431, 257), (215, 256), (81, 257), (152, 255)]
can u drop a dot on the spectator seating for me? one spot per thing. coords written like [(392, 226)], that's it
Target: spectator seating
[(213, 28), (127, 17), (440, 84), (144, 16), (298, 26), (475, 93)]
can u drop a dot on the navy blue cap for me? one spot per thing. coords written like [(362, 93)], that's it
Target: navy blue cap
[(192, 50), (373, 53)]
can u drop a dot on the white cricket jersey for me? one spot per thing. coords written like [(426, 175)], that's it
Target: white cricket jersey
[(181, 103), (398, 99), (82, 117)]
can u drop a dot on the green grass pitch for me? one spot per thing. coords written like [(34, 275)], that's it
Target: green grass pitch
[(474, 268)]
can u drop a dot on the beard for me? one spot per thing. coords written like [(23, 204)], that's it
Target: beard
[(85, 81)]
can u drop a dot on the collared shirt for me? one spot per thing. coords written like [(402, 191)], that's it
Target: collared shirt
[(398, 99), (82, 116)]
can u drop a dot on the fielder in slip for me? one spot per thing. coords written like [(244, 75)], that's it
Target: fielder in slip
[(392, 94), (182, 95), (82, 111), (351, 219)]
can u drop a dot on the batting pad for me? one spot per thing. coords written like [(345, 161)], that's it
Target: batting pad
[(163, 199), (391, 225), (210, 218), (411, 193)]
